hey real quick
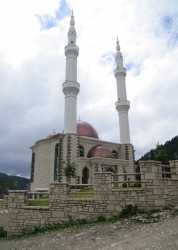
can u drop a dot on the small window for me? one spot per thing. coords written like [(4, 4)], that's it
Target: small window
[(71, 41), (114, 153), (81, 151)]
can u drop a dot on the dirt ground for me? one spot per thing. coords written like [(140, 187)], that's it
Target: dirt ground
[(122, 235)]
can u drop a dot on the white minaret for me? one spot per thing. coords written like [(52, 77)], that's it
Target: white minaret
[(71, 87), (122, 105)]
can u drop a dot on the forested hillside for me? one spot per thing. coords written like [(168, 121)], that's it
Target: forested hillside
[(8, 182), (170, 148)]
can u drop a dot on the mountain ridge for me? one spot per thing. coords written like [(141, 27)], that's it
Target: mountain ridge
[(22, 182)]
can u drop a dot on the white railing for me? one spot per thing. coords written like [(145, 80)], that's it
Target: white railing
[(37, 196)]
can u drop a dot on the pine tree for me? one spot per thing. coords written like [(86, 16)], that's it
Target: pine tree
[(160, 153)]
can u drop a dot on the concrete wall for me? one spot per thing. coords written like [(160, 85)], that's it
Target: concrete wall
[(155, 193)]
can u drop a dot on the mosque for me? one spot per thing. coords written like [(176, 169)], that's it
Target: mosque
[(79, 140)]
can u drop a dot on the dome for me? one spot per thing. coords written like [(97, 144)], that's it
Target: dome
[(51, 135), (85, 129), (100, 151)]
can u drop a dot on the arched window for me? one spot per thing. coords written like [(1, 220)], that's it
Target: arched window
[(85, 175), (115, 155), (81, 151), (56, 162), (32, 167)]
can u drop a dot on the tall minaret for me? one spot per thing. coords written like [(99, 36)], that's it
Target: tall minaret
[(71, 87), (122, 105)]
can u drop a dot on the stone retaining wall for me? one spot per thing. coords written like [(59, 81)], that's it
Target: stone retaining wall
[(4, 220), (155, 193)]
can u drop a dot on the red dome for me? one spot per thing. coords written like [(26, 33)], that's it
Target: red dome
[(100, 151), (51, 135), (85, 129)]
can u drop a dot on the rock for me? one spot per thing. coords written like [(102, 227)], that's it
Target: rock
[(113, 245)]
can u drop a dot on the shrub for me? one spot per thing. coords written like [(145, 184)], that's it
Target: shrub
[(3, 233), (101, 218), (128, 211), (124, 185), (82, 221), (138, 184)]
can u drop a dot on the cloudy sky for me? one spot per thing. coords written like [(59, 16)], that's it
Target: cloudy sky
[(32, 70)]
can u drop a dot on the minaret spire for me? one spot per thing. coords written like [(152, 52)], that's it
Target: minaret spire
[(72, 21), (71, 87), (117, 46), (122, 105)]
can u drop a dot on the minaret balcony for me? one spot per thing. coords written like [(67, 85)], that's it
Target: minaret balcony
[(120, 72), (122, 105), (71, 88), (71, 49)]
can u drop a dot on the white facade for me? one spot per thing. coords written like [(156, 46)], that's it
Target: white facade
[(122, 105), (71, 87)]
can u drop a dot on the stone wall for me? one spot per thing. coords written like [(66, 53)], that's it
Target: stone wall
[(4, 212), (155, 193), (4, 220), (4, 203)]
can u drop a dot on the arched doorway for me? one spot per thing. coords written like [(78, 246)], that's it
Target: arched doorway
[(85, 175)]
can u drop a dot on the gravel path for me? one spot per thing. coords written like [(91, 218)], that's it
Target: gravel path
[(122, 235)]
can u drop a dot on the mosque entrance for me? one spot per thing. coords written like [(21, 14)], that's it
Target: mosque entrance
[(85, 175)]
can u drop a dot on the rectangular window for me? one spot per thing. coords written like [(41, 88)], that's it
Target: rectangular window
[(32, 167)]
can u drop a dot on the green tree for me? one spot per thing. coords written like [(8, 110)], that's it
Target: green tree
[(160, 153), (69, 169), (6, 186)]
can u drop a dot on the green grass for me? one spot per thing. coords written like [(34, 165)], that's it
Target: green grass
[(85, 194), (125, 187), (39, 203), (80, 196), (86, 190)]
